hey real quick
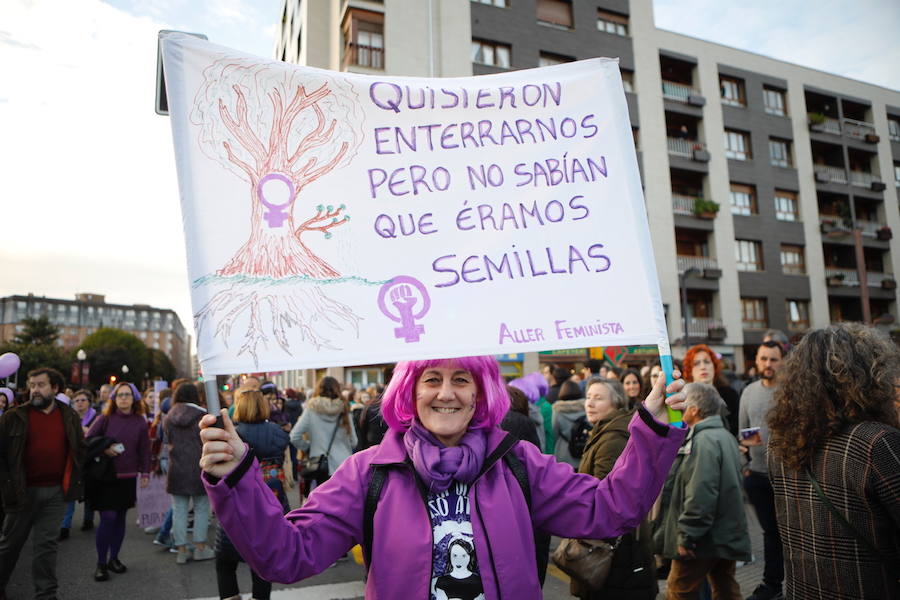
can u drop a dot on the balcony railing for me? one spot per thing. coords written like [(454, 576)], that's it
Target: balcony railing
[(836, 174), (698, 327), (696, 262), (683, 147), (830, 125), (862, 179), (678, 91), (869, 228), (858, 129), (683, 205), (366, 56), (851, 277)]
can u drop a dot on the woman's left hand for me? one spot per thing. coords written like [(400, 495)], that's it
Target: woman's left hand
[(656, 400), (145, 480)]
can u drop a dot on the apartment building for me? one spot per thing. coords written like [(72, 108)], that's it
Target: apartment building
[(76, 319), (771, 189)]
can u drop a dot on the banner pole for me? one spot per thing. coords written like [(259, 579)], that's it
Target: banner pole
[(665, 360)]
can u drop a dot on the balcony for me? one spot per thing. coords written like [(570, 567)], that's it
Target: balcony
[(873, 229), (701, 263), (683, 205), (863, 179), (827, 173), (821, 123), (706, 327), (361, 55), (858, 129), (687, 148), (679, 92), (837, 276)]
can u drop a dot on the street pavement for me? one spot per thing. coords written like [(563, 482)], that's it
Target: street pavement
[(153, 575)]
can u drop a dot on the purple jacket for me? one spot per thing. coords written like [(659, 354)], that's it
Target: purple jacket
[(308, 540)]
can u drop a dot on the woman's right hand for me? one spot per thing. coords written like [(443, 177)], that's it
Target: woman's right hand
[(223, 449)]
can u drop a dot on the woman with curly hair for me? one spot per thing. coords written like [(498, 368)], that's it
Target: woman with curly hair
[(834, 460), (702, 364)]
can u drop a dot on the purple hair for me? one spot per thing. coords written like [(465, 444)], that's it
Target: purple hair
[(540, 382), (398, 406), (528, 388)]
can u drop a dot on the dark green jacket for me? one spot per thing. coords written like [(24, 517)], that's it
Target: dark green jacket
[(13, 434), (703, 502)]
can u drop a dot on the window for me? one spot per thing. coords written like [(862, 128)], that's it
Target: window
[(780, 152), (732, 91), (754, 314), (737, 145), (490, 53), (792, 260), (743, 200), (897, 174), (773, 100), (628, 80), (555, 12), (797, 314), (786, 206), (748, 255), (364, 39), (612, 23), (548, 59), (894, 128), (500, 3)]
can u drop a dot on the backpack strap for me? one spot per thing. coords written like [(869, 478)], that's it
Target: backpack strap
[(518, 470), (379, 474)]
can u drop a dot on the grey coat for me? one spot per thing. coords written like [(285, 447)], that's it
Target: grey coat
[(182, 427), (313, 430), (565, 412)]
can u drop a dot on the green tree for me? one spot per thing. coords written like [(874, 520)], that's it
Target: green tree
[(36, 347), (108, 349), (160, 365)]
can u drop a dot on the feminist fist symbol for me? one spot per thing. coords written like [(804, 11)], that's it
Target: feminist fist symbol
[(403, 300)]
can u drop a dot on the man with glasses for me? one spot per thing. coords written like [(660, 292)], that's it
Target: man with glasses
[(42, 449)]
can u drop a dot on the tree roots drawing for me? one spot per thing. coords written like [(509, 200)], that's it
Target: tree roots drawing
[(275, 316)]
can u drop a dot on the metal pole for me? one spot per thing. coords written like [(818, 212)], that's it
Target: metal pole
[(212, 395), (684, 312)]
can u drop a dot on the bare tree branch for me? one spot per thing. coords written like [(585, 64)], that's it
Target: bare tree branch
[(241, 129), (238, 162)]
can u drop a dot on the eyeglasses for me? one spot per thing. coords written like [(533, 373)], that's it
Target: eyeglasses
[(124, 395), (81, 399)]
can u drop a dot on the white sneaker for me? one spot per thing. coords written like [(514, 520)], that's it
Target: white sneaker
[(182, 557), (206, 553)]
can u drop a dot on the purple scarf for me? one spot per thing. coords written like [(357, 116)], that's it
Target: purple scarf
[(438, 465), (88, 416)]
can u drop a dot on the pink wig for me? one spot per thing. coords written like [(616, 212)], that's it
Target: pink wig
[(398, 406), (540, 381)]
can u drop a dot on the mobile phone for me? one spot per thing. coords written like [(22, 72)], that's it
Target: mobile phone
[(749, 432), (118, 448)]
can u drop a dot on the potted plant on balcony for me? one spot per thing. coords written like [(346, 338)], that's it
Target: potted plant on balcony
[(705, 209), (699, 153), (884, 233), (835, 280), (816, 121), (716, 332), (888, 283)]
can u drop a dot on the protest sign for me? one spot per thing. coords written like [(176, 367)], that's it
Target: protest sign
[(340, 219), (153, 502)]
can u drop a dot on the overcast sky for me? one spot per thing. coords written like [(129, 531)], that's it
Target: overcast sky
[(89, 195)]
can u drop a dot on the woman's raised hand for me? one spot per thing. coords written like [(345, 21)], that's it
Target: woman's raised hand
[(223, 449), (656, 400)]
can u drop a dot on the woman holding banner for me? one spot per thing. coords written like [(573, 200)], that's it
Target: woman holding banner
[(444, 438)]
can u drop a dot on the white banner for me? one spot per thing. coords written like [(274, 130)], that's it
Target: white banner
[(343, 219)]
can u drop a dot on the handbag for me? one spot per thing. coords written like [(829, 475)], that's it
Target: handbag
[(316, 467), (588, 561)]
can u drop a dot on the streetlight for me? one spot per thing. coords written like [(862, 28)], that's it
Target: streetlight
[(682, 280), (124, 371), (81, 355)]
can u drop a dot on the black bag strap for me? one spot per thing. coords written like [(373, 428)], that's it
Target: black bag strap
[(333, 433), (849, 527), (518, 470), (379, 474)]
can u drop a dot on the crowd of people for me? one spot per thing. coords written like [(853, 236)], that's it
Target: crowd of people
[(811, 443)]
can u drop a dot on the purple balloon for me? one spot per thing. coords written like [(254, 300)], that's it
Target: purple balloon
[(9, 364)]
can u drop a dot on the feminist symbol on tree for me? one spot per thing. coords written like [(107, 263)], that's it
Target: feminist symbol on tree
[(276, 215), (402, 299)]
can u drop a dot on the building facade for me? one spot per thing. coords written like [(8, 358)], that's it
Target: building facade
[(158, 328), (771, 189)]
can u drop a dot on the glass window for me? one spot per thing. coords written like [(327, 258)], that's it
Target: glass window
[(628, 80), (737, 145), (555, 12), (364, 39), (897, 174), (613, 23), (754, 314), (548, 59), (743, 200), (490, 53), (500, 3), (792, 260), (894, 128), (797, 314), (748, 255), (732, 90), (773, 100), (780, 152), (786, 206)]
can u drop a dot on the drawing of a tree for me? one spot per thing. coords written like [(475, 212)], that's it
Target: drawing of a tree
[(262, 121)]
